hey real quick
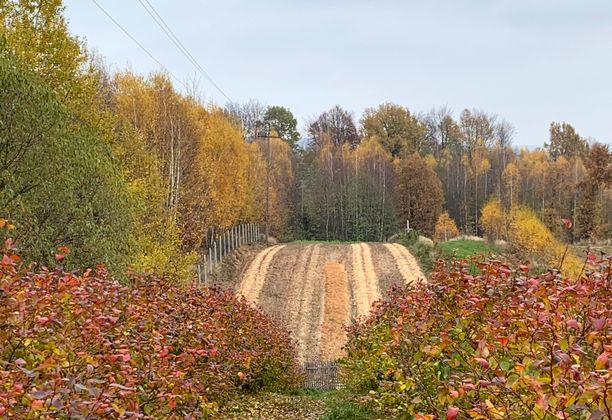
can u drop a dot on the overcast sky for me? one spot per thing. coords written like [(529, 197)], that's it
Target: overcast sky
[(530, 62)]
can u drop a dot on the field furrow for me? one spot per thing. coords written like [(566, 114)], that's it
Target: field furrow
[(359, 286), (309, 317), (255, 276), (406, 263), (336, 314), (370, 275), (315, 290)]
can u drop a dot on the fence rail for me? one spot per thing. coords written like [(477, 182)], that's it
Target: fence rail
[(224, 243), (322, 375)]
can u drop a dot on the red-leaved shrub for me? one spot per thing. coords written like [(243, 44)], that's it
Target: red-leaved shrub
[(85, 346), (500, 345)]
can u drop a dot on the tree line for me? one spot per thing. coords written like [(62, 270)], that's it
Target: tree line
[(121, 168), (128, 171), (362, 180)]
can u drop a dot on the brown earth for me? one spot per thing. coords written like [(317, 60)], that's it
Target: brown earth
[(336, 314), (316, 289)]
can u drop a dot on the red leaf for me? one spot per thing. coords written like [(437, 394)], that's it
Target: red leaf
[(42, 320), (483, 362), (572, 323), (598, 323), (164, 353), (6, 260), (567, 223), (452, 413), (602, 360), (60, 257)]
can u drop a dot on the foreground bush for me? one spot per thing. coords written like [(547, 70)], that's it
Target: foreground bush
[(85, 346), (501, 345)]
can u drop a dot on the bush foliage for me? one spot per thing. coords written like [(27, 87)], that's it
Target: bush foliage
[(503, 345), (85, 346)]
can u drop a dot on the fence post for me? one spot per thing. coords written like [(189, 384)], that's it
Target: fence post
[(199, 273), (204, 259), (221, 246), (210, 259)]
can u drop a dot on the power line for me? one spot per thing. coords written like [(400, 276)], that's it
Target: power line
[(138, 43), (159, 20)]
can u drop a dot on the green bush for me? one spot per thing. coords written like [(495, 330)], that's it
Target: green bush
[(59, 183)]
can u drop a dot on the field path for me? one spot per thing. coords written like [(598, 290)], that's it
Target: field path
[(316, 289)]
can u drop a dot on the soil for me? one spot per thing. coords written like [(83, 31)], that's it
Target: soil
[(316, 289), (406, 263), (336, 313)]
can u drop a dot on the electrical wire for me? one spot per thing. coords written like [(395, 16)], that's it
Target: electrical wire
[(159, 20), (138, 43)]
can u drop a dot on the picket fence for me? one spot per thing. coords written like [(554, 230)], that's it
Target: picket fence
[(224, 243), (322, 375)]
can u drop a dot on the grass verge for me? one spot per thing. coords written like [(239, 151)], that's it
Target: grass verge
[(339, 405), (465, 248)]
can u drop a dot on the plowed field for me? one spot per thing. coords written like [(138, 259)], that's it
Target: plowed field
[(317, 289)]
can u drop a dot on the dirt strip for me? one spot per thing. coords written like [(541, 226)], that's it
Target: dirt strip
[(336, 313), (281, 291), (255, 276), (365, 288), (359, 286), (370, 275), (309, 318), (406, 263), (386, 268)]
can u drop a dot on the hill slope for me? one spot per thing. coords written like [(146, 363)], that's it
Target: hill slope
[(317, 289)]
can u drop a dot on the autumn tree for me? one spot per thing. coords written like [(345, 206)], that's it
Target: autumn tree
[(400, 132), (564, 141), (346, 192), (445, 227), (282, 121), (512, 178), (599, 176), (418, 195), (247, 116), (494, 220), (279, 186), (336, 125)]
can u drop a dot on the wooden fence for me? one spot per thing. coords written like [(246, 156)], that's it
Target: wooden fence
[(223, 244), (321, 375)]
